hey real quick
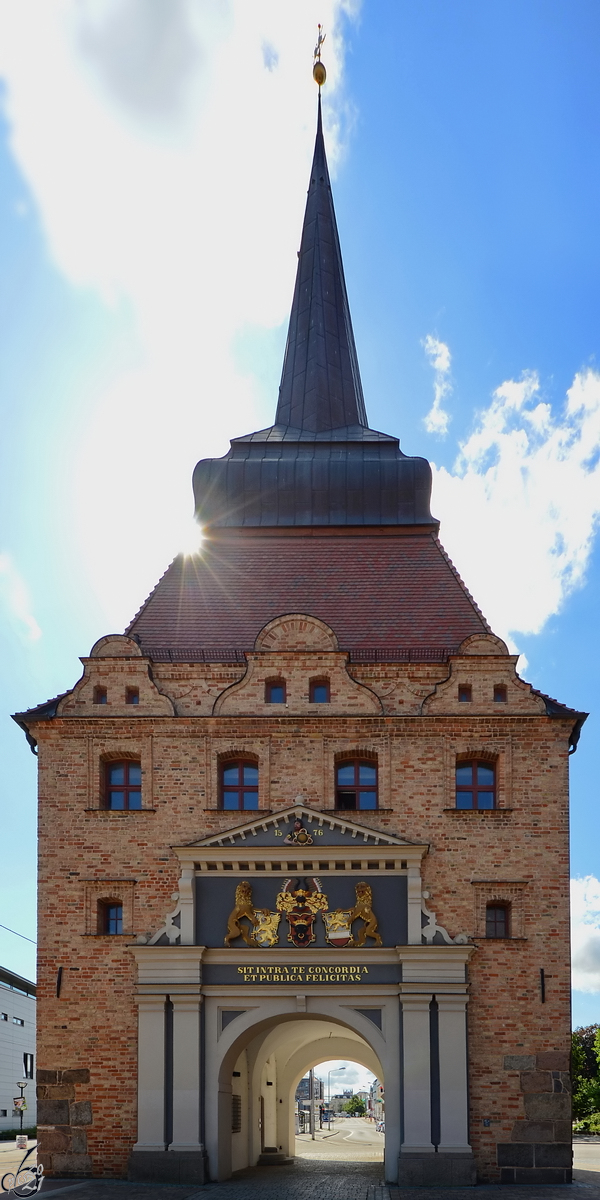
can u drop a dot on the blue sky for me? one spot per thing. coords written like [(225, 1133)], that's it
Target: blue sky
[(153, 169)]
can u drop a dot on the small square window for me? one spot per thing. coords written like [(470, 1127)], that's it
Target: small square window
[(499, 693), (100, 695), (3, 1112), (275, 692), (132, 695), (18, 1021), (3, 1016), (319, 691), (465, 693)]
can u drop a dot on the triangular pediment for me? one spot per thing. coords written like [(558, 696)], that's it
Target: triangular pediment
[(317, 829)]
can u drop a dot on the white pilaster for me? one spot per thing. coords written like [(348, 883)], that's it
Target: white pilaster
[(151, 1073), (186, 1072), (417, 1078), (454, 1111), (414, 906), (186, 906)]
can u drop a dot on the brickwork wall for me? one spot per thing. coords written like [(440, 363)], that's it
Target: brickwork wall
[(91, 1026)]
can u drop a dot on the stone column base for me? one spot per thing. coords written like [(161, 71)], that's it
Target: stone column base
[(168, 1166), (436, 1170)]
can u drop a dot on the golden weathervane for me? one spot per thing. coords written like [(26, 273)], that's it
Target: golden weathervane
[(319, 72)]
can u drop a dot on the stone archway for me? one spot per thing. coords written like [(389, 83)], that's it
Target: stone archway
[(264, 1062)]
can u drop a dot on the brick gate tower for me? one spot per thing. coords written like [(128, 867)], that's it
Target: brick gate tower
[(305, 808)]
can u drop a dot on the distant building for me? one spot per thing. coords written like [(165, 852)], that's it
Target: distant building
[(17, 1048)]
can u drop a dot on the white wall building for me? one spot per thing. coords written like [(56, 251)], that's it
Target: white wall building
[(17, 1047)]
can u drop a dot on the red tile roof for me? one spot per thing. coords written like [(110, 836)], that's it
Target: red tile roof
[(378, 593)]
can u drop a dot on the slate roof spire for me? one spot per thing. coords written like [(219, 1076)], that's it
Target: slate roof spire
[(320, 383)]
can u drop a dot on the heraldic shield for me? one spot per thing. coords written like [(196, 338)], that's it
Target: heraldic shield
[(301, 907), (338, 928)]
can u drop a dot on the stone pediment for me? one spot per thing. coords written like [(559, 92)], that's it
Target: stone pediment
[(300, 826)]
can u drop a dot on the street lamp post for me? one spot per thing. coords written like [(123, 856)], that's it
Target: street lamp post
[(22, 1087)]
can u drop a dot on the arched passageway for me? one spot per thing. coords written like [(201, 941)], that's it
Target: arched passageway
[(258, 1064)]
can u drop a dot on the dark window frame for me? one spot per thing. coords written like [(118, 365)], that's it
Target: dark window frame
[(132, 695), (356, 787), (110, 917), (130, 789), (241, 788), (270, 686), (475, 788), (321, 684), (497, 919), (27, 1065)]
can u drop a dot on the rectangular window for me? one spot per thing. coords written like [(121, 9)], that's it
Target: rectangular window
[(132, 695), (100, 695), (465, 693), (28, 1066), (496, 921), (239, 785), (275, 692), (499, 694), (3, 1016), (111, 918), (18, 1021), (123, 785), (356, 786), (475, 785), (319, 691), (3, 1112)]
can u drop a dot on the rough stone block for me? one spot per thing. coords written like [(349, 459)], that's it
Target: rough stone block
[(536, 1081), (548, 1175), (554, 1060), (519, 1062), (79, 1141), (81, 1113), (53, 1112), (556, 1154), (436, 1170), (81, 1075), (46, 1076), (533, 1131), (563, 1131), (507, 1175), (61, 1091), (515, 1154), (50, 1140), (71, 1164), (548, 1107)]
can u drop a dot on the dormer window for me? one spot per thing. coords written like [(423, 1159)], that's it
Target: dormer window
[(319, 691), (275, 691)]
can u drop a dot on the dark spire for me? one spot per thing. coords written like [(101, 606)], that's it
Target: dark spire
[(320, 383)]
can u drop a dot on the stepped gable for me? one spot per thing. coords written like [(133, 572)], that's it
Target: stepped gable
[(377, 593)]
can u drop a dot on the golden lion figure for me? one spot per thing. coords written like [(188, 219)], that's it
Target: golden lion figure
[(363, 911), (243, 908)]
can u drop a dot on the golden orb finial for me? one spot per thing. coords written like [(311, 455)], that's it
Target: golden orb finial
[(319, 72)]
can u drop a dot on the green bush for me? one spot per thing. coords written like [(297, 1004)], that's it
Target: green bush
[(9, 1135)]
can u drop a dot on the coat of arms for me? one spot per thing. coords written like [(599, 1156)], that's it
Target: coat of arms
[(338, 927), (301, 907)]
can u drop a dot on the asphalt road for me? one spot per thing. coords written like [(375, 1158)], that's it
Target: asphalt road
[(350, 1139)]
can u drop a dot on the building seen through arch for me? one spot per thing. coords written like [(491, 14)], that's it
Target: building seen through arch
[(305, 808)]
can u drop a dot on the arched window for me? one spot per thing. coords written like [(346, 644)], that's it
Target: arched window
[(123, 784), (497, 920), (356, 785), (239, 784), (275, 691), (475, 784), (319, 691)]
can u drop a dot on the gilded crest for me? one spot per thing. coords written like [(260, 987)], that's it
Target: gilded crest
[(266, 932), (363, 911), (338, 928)]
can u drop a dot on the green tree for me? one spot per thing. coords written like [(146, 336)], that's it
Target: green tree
[(585, 1067), (355, 1106)]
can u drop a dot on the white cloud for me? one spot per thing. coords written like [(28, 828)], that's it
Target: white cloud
[(167, 147), (437, 419), (17, 602), (521, 506), (353, 1076), (585, 933)]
